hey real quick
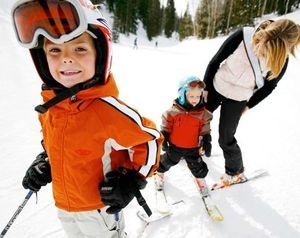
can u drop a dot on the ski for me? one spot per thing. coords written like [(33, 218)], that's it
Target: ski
[(212, 210), (163, 208), (161, 202), (162, 205), (249, 177), (156, 215)]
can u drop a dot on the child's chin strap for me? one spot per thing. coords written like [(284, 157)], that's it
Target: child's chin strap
[(66, 93)]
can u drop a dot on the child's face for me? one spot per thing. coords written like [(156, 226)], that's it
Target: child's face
[(72, 62), (193, 96)]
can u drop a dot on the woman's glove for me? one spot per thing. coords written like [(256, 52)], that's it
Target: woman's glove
[(206, 145), (120, 187), (38, 174)]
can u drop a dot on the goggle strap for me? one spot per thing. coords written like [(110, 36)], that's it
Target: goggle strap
[(58, 98)]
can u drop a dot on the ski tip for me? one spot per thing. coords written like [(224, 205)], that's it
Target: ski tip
[(216, 186), (164, 210), (218, 218), (215, 214)]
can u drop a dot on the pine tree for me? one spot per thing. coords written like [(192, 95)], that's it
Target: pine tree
[(111, 5), (126, 15), (286, 6), (186, 28), (143, 6), (202, 19), (153, 27), (170, 18), (115, 31), (210, 18)]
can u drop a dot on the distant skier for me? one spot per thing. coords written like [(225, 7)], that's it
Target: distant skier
[(135, 44)]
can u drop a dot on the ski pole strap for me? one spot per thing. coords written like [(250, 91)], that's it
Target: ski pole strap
[(17, 212), (142, 202)]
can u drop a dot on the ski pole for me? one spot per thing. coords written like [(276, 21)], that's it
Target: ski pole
[(117, 219), (17, 212)]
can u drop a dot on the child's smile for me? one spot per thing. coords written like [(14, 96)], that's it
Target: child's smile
[(69, 73)]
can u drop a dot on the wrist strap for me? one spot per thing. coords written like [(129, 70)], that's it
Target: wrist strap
[(142, 202)]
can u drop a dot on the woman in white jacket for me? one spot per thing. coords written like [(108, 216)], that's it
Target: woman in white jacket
[(244, 71)]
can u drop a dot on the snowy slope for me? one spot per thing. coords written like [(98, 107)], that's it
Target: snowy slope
[(269, 136)]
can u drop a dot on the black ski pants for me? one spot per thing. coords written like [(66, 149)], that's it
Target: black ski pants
[(230, 114), (174, 154)]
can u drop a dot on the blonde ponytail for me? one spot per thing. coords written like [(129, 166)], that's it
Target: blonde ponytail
[(275, 43)]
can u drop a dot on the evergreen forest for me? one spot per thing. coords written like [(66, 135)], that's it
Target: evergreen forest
[(212, 17)]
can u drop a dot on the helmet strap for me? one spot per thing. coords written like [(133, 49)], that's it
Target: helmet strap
[(66, 93)]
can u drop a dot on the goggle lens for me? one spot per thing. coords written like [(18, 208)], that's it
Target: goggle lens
[(55, 17), (194, 84)]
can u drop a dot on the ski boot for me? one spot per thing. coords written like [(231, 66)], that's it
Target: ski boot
[(159, 181), (228, 180)]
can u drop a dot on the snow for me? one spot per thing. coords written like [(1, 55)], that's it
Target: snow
[(269, 136)]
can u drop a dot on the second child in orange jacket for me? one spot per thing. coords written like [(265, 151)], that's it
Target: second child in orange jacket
[(183, 126)]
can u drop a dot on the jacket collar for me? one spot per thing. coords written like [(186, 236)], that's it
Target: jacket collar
[(82, 99)]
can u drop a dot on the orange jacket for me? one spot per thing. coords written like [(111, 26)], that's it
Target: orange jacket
[(91, 135), (185, 127)]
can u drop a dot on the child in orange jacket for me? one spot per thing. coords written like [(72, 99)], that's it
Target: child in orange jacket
[(183, 126), (98, 151)]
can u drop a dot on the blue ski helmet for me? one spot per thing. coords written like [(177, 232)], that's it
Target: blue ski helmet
[(187, 83)]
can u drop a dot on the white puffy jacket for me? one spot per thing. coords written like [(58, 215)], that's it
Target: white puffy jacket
[(235, 78)]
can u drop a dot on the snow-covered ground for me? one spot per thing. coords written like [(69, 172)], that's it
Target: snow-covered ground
[(269, 136)]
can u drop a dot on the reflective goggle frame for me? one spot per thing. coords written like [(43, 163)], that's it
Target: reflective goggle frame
[(192, 84), (31, 19)]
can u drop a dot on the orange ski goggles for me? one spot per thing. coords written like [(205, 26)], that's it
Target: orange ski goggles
[(57, 20), (194, 84)]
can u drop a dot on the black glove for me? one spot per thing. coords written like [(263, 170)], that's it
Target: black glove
[(38, 174), (165, 144), (120, 187), (206, 145)]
